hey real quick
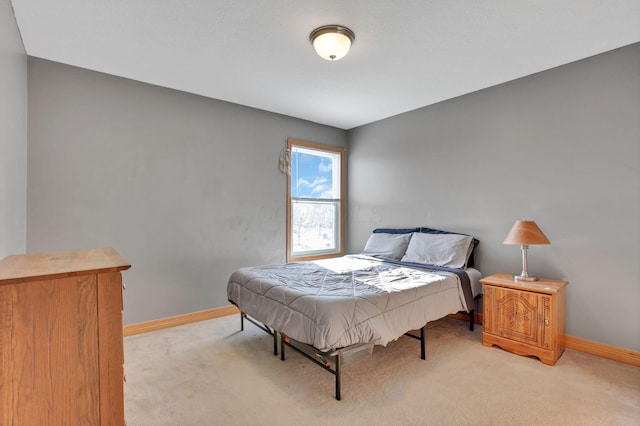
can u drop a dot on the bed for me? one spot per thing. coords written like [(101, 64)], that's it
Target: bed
[(333, 311)]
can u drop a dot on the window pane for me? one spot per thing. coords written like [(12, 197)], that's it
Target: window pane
[(315, 174), (313, 226)]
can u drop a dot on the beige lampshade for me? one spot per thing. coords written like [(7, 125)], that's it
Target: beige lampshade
[(526, 232)]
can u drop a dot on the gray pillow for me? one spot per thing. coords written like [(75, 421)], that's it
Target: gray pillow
[(449, 250), (388, 246)]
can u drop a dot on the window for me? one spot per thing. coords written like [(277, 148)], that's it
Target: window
[(315, 207)]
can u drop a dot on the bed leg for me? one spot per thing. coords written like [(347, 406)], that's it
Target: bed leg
[(275, 343), (338, 357), (282, 343), (473, 312), (242, 314), (422, 344)]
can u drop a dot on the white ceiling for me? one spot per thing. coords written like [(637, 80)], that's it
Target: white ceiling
[(407, 53)]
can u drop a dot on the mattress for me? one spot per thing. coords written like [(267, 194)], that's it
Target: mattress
[(335, 303)]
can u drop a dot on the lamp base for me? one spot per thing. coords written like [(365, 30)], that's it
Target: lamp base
[(524, 278)]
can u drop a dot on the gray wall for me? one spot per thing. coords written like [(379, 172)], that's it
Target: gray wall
[(13, 135), (186, 188), (561, 147)]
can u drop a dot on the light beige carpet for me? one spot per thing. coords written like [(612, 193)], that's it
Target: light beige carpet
[(210, 373)]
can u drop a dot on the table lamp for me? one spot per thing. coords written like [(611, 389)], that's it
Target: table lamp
[(525, 233)]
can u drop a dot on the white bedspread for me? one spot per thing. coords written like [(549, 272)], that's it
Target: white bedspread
[(334, 303)]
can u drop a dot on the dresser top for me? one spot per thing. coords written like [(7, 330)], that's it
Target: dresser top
[(45, 266)]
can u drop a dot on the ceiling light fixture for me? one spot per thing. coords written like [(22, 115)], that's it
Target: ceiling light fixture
[(332, 42)]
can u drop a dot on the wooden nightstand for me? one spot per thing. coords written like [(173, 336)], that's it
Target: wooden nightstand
[(526, 318)]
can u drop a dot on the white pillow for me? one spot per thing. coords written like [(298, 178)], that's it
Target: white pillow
[(450, 250), (389, 246)]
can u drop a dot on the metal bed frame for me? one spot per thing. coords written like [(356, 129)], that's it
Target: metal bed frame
[(338, 358), (332, 361)]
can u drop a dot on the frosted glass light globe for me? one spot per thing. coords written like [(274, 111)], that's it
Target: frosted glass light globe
[(332, 46), (332, 42)]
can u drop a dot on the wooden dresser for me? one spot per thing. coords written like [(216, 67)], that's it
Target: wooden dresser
[(525, 317), (61, 345)]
